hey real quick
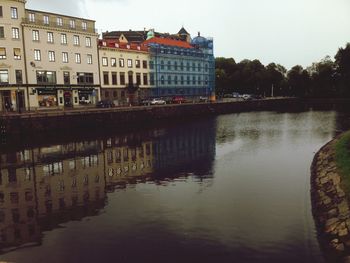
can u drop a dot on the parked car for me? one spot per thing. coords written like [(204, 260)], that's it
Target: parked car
[(157, 101), (203, 99), (105, 104), (235, 95), (178, 100), (256, 97), (146, 102), (247, 97)]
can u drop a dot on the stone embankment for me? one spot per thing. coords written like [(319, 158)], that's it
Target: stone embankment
[(330, 205)]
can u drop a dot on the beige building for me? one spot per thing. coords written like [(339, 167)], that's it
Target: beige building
[(124, 70), (12, 61), (46, 59), (61, 59)]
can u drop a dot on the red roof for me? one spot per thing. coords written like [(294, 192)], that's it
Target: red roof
[(119, 45), (169, 42)]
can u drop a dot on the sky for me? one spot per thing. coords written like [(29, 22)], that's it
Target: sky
[(288, 32)]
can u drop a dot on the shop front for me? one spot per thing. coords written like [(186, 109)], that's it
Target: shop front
[(47, 97), (87, 96)]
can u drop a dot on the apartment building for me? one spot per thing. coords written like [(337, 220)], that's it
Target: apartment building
[(12, 65), (61, 59), (46, 59), (125, 73)]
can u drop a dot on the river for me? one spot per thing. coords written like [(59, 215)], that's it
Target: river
[(232, 188)]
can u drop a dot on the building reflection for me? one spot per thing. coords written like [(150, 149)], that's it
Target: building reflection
[(42, 188)]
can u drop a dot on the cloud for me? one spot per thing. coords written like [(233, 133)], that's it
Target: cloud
[(73, 8)]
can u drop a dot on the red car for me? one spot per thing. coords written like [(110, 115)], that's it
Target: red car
[(178, 100)]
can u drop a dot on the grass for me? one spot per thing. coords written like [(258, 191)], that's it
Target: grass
[(342, 158)]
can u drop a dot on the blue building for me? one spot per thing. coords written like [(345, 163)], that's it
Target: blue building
[(181, 66)]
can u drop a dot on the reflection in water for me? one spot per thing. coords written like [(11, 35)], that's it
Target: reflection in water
[(42, 188), (230, 189)]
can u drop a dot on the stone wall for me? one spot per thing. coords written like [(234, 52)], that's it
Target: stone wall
[(330, 205), (118, 118)]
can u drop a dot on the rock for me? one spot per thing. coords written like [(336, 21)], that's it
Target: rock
[(343, 232), (340, 247), (346, 259), (331, 224), (332, 213), (343, 208), (324, 180)]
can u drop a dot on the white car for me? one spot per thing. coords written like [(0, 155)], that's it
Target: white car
[(157, 101)]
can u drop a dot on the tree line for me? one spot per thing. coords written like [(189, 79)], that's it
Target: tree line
[(326, 78)]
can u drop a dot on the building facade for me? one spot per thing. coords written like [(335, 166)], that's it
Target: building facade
[(12, 57), (48, 60), (124, 70), (181, 66)]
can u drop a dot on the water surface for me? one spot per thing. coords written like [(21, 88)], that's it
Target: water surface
[(235, 188)]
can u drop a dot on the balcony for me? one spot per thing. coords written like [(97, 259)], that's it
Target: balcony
[(55, 25)]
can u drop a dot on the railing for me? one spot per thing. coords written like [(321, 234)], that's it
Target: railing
[(62, 26)]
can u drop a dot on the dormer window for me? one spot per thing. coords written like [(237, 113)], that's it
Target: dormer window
[(31, 17), (59, 21), (84, 25), (46, 20), (72, 24)]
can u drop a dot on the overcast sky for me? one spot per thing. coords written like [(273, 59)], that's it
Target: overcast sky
[(288, 32)]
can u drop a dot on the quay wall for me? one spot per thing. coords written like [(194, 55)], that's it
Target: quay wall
[(119, 118)]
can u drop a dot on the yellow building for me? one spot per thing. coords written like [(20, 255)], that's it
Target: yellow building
[(124, 70)]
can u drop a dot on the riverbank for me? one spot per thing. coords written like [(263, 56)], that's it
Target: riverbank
[(330, 194), (120, 118)]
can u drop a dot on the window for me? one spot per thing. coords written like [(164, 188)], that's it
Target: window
[(76, 40), (52, 56), (175, 65), (151, 79), (162, 80), (46, 20), (1, 14), (199, 67), (144, 63), (169, 65), (121, 62), (59, 21), (194, 80), (65, 57), (85, 78), (15, 33), (138, 79), (77, 58), (162, 64), (169, 80), (14, 13), (63, 39), (17, 53), (37, 55), (84, 25), (113, 62), (145, 79), (89, 59), (122, 78), (46, 77), (4, 76), (129, 63), (137, 63), (105, 78), (182, 80), (72, 23), (31, 17), (35, 35), (2, 32), (175, 80), (151, 65), (66, 78), (114, 78), (2, 53), (88, 41), (49, 37), (181, 66), (104, 61), (19, 78)]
